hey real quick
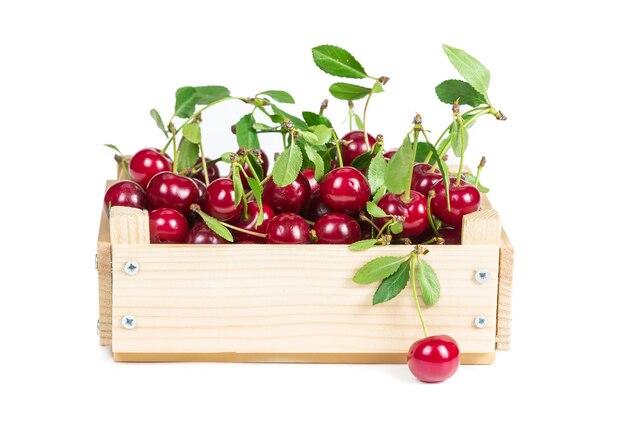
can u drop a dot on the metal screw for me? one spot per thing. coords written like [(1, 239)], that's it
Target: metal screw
[(129, 322), (96, 262), (481, 276), (480, 322), (131, 268)]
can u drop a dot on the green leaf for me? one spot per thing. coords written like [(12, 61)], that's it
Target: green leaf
[(458, 138), (378, 268), (382, 190), (451, 90), (396, 228), (287, 166), (393, 284), (313, 119), (192, 132), (362, 161), (185, 102), (323, 133), (188, 154), (347, 91), (238, 185), (209, 94), (423, 149), (280, 96), (400, 167), (226, 157), (316, 159), (157, 118), (261, 126), (256, 166), (309, 137), (364, 244), (358, 121), (472, 180), (246, 135), (375, 211), (114, 147), (378, 88), (376, 172), (443, 168), (338, 62), (297, 122), (428, 282), (216, 226), (471, 69), (257, 191)]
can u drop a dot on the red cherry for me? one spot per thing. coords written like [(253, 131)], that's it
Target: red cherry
[(356, 147), (366, 230), (167, 226), (434, 359), (309, 173), (145, 164), (249, 223), (219, 201), (345, 189), (201, 234), (337, 228), (201, 188), (424, 178), (464, 199), (125, 193), (414, 212), (389, 154), (264, 165), (288, 228), (450, 236), (212, 170), (291, 198), (316, 207), (166, 189)]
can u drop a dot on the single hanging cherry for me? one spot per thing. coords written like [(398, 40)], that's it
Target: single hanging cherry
[(434, 358)]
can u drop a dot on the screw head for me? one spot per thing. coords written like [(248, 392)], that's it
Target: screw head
[(131, 268), (129, 322), (481, 276), (480, 321)]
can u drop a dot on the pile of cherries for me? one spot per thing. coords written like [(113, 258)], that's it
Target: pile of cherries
[(303, 212)]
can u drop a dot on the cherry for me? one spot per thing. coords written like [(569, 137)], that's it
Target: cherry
[(166, 189), (309, 173), (167, 226), (356, 147), (424, 178), (413, 210), (434, 359), (464, 199), (125, 193), (337, 228), (145, 164), (450, 236), (389, 154), (316, 207), (264, 166), (219, 201), (291, 198), (201, 234), (345, 189), (249, 223), (212, 170), (366, 230), (287, 228), (201, 188)]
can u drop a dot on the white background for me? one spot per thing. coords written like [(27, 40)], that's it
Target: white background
[(76, 75)]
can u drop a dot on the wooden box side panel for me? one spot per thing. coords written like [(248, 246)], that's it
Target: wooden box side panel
[(505, 288), (258, 299)]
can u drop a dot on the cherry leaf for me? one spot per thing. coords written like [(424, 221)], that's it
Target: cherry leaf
[(392, 285)]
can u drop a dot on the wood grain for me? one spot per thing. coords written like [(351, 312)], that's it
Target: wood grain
[(505, 288), (105, 303), (482, 227)]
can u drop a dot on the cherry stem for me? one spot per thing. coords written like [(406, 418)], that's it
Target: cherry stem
[(431, 195), (175, 165), (338, 145), (370, 222), (284, 134), (244, 200), (480, 168), (387, 224), (414, 261), (239, 229), (416, 131), (367, 102), (205, 169), (460, 172), (249, 163)]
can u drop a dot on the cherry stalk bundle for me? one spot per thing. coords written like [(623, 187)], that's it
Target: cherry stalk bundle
[(323, 188)]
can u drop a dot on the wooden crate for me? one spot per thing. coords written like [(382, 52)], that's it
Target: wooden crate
[(292, 303)]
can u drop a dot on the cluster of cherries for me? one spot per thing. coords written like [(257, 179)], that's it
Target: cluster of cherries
[(333, 206)]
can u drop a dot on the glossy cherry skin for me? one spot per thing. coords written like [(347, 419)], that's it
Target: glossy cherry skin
[(288, 228), (219, 201), (316, 207), (145, 164), (345, 189), (424, 178), (212, 170), (201, 188), (167, 226), (464, 199), (249, 223), (357, 146), (291, 198), (166, 189), (125, 193), (201, 234), (434, 359), (337, 228), (414, 211), (309, 173), (264, 166)]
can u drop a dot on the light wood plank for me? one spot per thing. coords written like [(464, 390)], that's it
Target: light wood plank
[(481, 227), (505, 288), (105, 303), (129, 226)]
